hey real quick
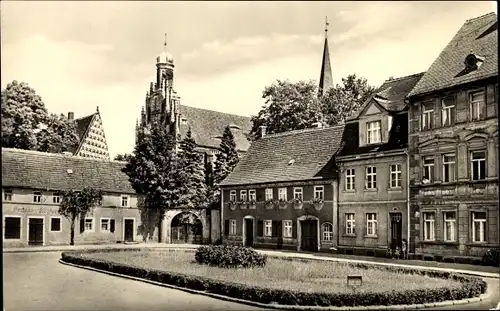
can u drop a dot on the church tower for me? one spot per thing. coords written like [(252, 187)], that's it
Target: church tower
[(325, 78)]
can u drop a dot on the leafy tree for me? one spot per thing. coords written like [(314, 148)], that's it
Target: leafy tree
[(58, 135), (123, 157), (77, 204), (225, 162), (191, 163)]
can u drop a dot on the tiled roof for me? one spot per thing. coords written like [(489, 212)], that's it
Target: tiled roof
[(82, 125), (398, 138), (40, 170), (207, 127), (477, 36), (392, 93), (290, 156)]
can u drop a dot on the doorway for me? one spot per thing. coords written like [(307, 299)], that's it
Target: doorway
[(396, 230), (35, 231), (186, 228), (128, 230), (309, 235), (248, 232)]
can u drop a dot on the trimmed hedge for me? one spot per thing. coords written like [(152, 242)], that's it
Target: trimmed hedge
[(227, 256), (470, 287)]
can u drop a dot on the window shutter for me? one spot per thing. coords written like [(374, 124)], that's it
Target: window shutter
[(112, 225), (226, 227), (260, 228), (294, 229), (82, 224)]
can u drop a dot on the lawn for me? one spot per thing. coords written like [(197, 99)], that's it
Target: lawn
[(312, 276)]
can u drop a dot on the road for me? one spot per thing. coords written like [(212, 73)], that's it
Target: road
[(37, 281)]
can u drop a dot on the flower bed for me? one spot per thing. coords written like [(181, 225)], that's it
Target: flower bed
[(288, 282)]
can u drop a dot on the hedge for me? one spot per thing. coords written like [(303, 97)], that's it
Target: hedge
[(470, 287), (228, 256)]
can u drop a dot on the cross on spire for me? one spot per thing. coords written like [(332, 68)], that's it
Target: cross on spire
[(165, 42), (326, 26)]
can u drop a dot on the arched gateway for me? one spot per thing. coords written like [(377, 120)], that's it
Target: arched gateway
[(186, 228)]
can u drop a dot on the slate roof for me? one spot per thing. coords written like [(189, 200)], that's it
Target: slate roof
[(268, 159), (207, 127), (40, 170), (477, 35)]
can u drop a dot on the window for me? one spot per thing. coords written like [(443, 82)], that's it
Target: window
[(105, 224), (373, 133), (7, 195), (450, 225), (232, 195), (282, 194), (232, 226), (449, 167), (297, 193), (371, 224), (477, 106), (269, 194), (478, 163), (319, 192), (350, 224), (349, 179), (371, 177), (479, 226), (243, 195), (55, 224), (429, 224), (89, 224), (287, 228), (327, 230), (268, 228), (125, 201), (56, 198), (448, 111), (427, 116), (12, 227), (252, 195), (37, 197), (395, 176), (428, 170)]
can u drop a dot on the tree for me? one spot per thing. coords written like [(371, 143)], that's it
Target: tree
[(225, 162), (191, 161), (288, 106), (59, 135), (154, 172), (77, 204), (123, 157)]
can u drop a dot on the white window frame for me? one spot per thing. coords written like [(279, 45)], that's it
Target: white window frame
[(37, 194), (282, 194), (452, 222), (371, 177), (287, 228), (451, 165), (20, 227), (478, 161), (477, 106), (350, 223), (7, 195), (268, 227), (232, 195), (327, 235), (56, 197), (371, 223), (127, 201), (350, 179), (232, 226), (319, 192), (298, 193), (108, 219), (428, 167), (252, 195), (481, 222), (373, 132), (427, 117), (243, 195), (447, 117), (269, 193), (395, 176), (92, 224), (429, 226), (60, 223)]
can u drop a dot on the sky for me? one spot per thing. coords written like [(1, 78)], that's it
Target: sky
[(80, 55)]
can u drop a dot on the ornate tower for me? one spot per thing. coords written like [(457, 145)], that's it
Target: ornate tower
[(325, 78)]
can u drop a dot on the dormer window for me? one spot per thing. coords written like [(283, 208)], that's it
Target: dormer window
[(473, 62), (373, 132)]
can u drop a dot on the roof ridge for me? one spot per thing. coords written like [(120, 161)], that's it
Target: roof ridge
[(301, 131), (404, 77), (90, 115), (231, 114), (479, 17), (51, 154)]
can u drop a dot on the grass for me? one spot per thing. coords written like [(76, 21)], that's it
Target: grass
[(309, 276)]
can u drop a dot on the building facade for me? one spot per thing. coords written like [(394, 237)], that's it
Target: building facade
[(92, 138), (453, 145)]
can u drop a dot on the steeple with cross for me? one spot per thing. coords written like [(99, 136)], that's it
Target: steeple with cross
[(325, 78)]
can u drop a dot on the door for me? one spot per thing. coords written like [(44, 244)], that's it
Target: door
[(309, 235), (396, 230), (249, 232), (35, 235), (129, 230)]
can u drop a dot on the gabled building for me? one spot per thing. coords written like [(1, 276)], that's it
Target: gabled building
[(91, 135), (373, 194), (453, 145)]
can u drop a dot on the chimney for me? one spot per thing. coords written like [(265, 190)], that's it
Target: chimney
[(263, 130), (71, 115)]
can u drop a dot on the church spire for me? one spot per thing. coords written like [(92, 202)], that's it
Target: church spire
[(325, 78)]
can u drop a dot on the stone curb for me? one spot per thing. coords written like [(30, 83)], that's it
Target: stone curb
[(285, 307)]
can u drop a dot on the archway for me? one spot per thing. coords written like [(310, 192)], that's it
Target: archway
[(186, 228)]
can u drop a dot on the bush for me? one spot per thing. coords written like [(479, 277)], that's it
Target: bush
[(491, 257), (227, 256)]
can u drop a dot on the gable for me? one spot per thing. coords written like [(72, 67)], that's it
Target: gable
[(93, 143), (372, 109)]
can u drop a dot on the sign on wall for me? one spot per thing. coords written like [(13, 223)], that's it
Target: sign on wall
[(35, 210)]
